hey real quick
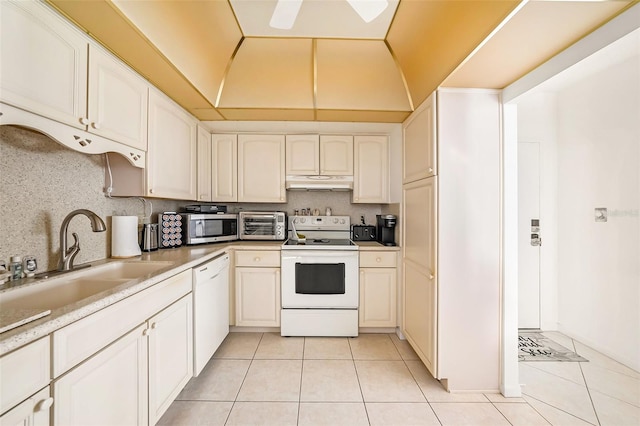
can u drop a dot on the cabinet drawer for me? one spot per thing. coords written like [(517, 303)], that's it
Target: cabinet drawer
[(76, 342), (258, 258), (23, 372), (378, 259)]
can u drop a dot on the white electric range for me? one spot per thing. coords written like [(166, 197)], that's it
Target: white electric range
[(319, 278)]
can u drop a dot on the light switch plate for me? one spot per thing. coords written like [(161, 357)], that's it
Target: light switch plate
[(601, 214)]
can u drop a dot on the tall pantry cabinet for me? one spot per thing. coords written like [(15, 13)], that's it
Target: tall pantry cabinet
[(451, 229)]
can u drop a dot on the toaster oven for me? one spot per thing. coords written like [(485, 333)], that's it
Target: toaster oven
[(262, 226)]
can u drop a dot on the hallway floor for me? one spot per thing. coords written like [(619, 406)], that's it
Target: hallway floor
[(377, 379)]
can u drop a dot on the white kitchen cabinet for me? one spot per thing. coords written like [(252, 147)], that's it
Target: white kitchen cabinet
[(117, 100), (312, 155), (336, 155), (257, 287), (110, 388), (50, 69), (170, 355), (224, 164), (171, 158), (419, 142), (23, 372), (419, 269), (371, 170), (44, 63), (34, 411), (302, 155), (261, 168), (378, 289), (204, 164)]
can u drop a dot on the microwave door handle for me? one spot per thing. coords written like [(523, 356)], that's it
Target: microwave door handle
[(199, 228)]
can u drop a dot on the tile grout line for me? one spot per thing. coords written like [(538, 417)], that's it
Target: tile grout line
[(557, 408), (353, 360), (498, 410), (304, 344), (243, 379), (586, 385)]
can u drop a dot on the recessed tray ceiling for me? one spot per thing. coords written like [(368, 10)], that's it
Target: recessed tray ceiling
[(217, 59)]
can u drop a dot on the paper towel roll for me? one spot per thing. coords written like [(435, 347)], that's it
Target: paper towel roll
[(124, 236)]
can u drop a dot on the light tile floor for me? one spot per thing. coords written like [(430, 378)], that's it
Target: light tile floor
[(377, 379)]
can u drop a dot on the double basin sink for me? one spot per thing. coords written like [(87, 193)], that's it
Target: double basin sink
[(62, 290)]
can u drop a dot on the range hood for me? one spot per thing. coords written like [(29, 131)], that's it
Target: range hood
[(319, 183)]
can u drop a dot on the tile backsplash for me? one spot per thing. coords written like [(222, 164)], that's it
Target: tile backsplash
[(41, 182)]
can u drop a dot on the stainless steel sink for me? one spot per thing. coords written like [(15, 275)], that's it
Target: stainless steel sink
[(72, 287)]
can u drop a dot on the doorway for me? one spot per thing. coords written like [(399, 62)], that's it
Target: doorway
[(529, 236)]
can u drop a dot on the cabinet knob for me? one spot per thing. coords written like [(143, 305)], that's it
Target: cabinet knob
[(431, 276), (256, 259), (378, 259), (146, 332), (45, 404), (84, 121), (151, 191), (430, 169), (95, 125), (154, 326)]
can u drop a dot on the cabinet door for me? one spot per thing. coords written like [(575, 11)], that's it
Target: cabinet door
[(420, 313), (377, 297), (170, 355), (419, 140), (109, 388), (303, 155), (44, 63), (224, 173), (258, 297), (419, 274), (261, 168), (204, 165), (34, 411), (336, 155), (171, 156), (118, 100), (371, 177)]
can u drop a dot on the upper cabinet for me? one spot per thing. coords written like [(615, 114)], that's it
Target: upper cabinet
[(371, 177), (52, 74), (261, 168), (419, 151), (224, 163), (204, 164), (44, 63), (336, 155), (312, 155), (171, 160), (117, 102)]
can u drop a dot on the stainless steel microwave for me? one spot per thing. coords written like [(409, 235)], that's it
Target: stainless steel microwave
[(204, 228), (263, 226)]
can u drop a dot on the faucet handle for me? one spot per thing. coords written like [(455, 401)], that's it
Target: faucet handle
[(76, 244)]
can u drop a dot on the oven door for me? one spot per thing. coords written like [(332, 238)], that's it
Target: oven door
[(325, 279)]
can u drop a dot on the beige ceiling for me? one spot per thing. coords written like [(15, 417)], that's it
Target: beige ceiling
[(221, 66)]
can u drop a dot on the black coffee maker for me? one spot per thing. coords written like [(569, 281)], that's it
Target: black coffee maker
[(386, 229)]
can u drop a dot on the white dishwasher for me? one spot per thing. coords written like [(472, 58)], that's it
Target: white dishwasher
[(210, 309)]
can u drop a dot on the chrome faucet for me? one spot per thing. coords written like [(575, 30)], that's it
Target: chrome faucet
[(68, 254)]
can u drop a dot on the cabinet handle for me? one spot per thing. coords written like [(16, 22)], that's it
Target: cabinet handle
[(45, 404), (151, 191), (84, 121), (95, 125), (146, 332), (154, 326)]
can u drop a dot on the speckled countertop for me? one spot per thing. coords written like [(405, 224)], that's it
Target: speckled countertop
[(178, 260)]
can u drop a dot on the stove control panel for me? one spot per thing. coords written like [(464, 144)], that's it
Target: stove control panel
[(328, 223)]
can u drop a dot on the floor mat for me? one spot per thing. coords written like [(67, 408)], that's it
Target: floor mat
[(537, 347)]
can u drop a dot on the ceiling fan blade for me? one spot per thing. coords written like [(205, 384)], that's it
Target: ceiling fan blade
[(285, 13), (368, 9)]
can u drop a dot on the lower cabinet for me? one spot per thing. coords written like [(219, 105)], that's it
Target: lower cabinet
[(133, 380), (33, 411), (378, 282), (257, 279)]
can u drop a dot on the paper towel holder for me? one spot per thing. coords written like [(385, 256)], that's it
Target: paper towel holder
[(124, 237)]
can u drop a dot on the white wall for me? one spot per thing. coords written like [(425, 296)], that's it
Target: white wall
[(469, 239), (598, 166), (537, 123)]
